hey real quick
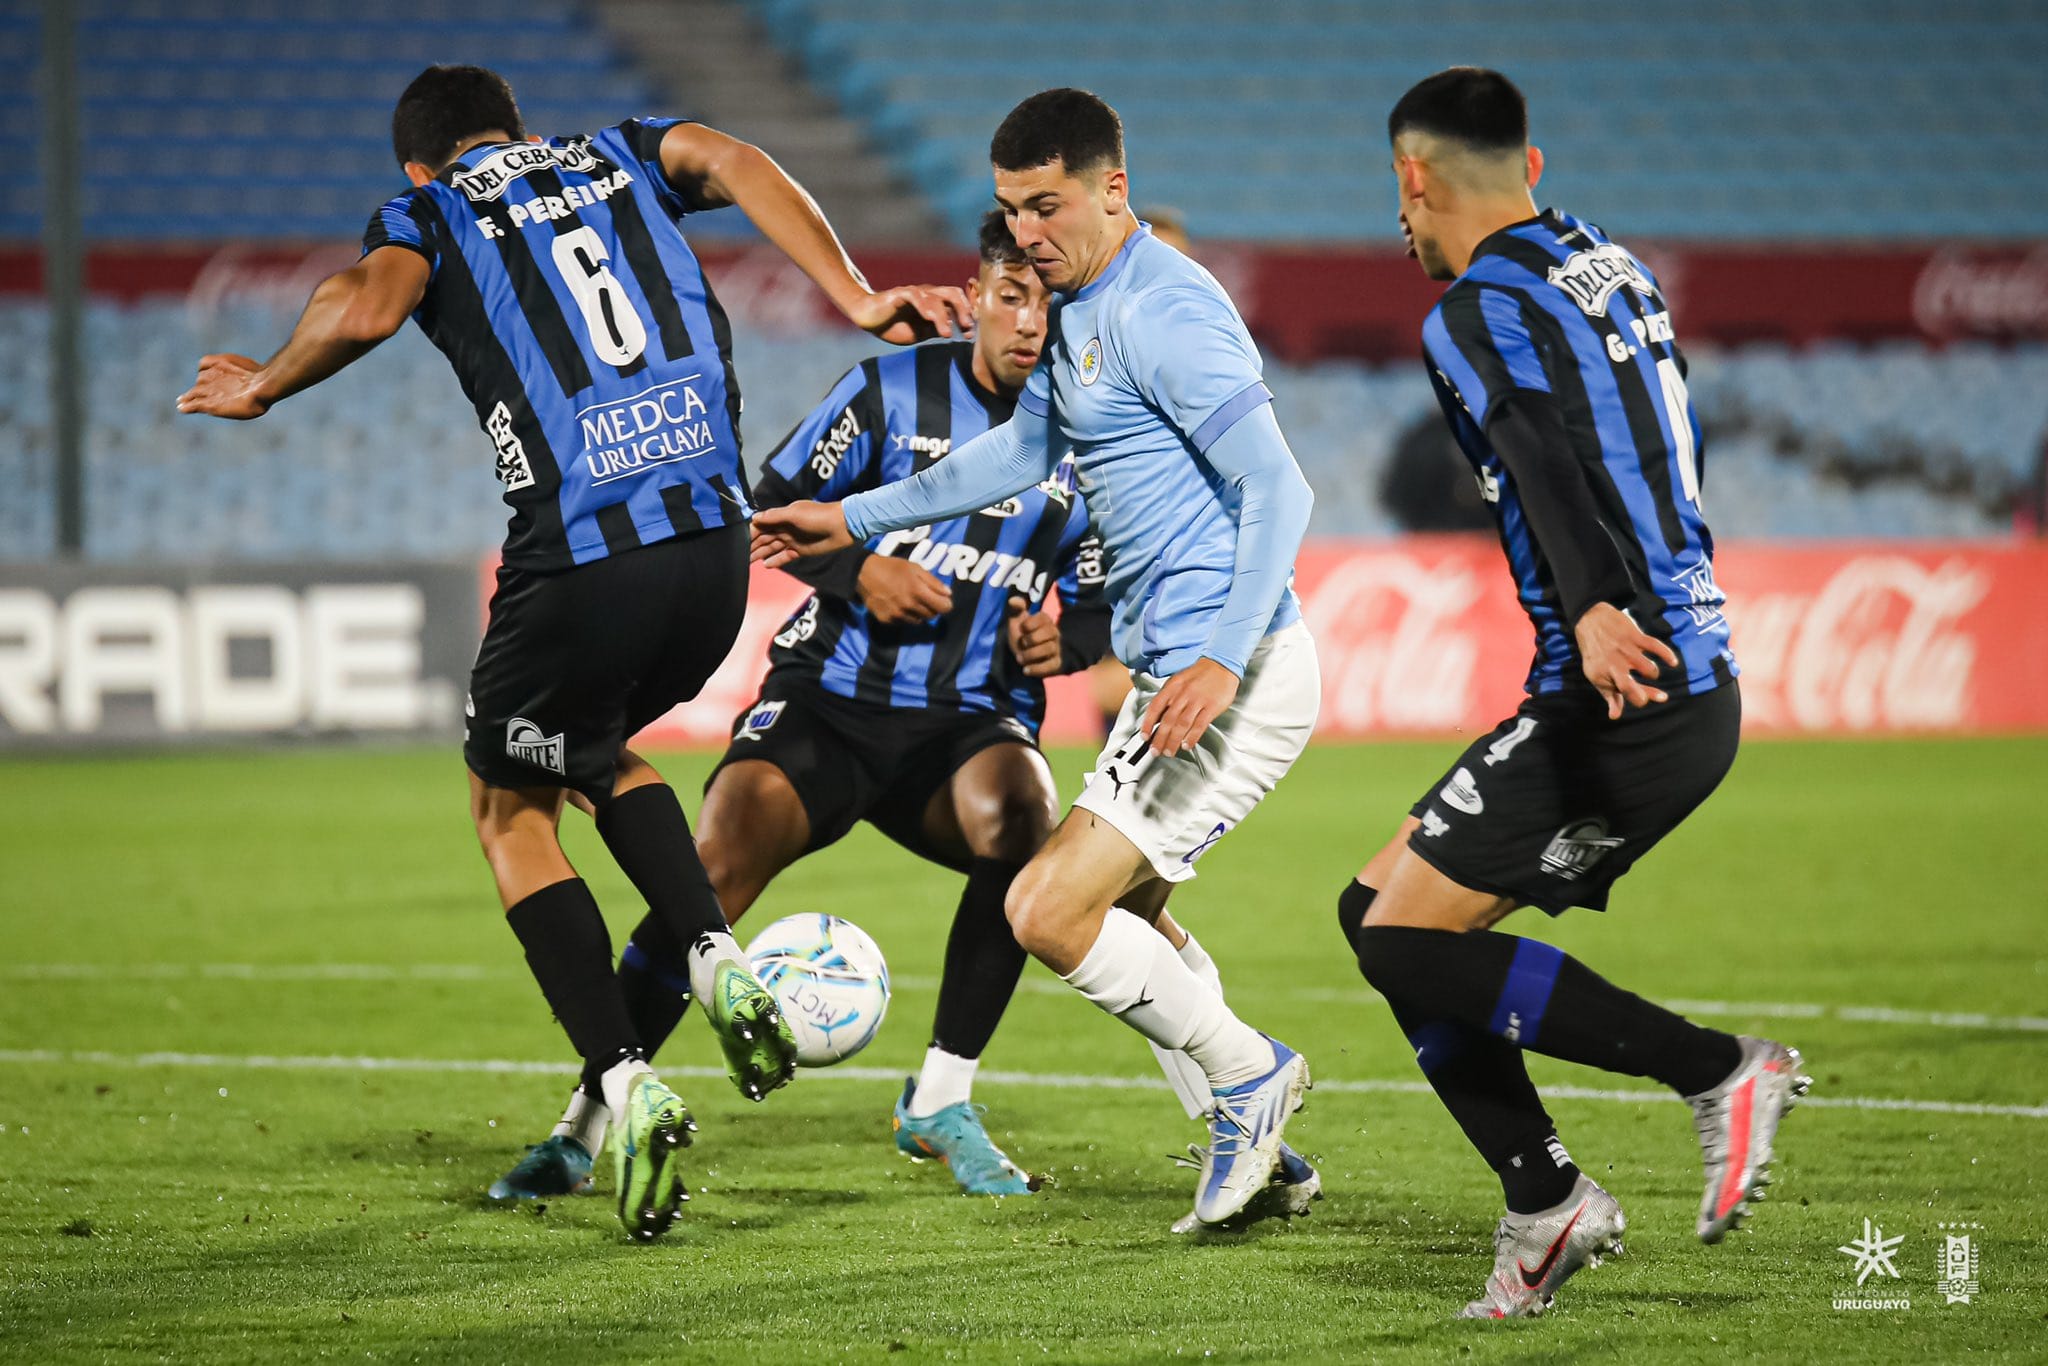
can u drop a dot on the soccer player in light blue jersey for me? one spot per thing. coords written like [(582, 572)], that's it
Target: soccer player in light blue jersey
[(1150, 380)]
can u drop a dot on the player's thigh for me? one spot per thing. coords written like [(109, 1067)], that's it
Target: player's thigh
[(752, 826), (1176, 807), (1000, 804), (1057, 902), (548, 692), (1647, 773), (704, 592)]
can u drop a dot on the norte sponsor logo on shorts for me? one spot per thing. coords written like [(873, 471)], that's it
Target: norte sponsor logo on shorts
[(524, 742), (1461, 793), (756, 722), (1578, 847)]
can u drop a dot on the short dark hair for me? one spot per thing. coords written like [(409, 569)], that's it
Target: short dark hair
[(1073, 127), (998, 247), (444, 105), (1468, 104)]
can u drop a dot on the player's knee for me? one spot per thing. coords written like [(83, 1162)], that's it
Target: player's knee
[(1017, 824), (1352, 904), (1037, 914)]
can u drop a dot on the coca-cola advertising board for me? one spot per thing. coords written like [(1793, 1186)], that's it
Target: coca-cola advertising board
[(1422, 637)]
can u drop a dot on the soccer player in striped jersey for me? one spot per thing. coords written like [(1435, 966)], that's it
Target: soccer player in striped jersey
[(1555, 362), (1152, 386), (555, 277), (905, 692)]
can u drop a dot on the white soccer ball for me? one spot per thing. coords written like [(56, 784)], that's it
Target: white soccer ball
[(830, 980)]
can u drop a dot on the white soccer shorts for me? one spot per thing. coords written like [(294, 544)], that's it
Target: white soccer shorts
[(1175, 807)]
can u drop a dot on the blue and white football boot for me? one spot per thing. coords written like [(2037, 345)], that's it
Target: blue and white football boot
[(1291, 1194), (1244, 1136)]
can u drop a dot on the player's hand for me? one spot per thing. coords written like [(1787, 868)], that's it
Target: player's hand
[(798, 531), (226, 387), (1180, 713), (1034, 639), (1614, 651), (899, 593), (912, 313)]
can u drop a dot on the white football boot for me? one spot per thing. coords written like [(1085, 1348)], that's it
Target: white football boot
[(1533, 1254), (1737, 1123)]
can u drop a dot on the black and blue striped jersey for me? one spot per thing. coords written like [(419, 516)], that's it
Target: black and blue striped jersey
[(885, 420), (1550, 307), (583, 330)]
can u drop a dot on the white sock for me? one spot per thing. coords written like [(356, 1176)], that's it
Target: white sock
[(945, 1079), (613, 1083), (1183, 1073), (1135, 975), (585, 1120), (705, 955)]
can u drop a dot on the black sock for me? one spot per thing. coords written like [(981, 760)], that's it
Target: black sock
[(570, 952), (649, 835), (983, 962), (1542, 999), (654, 979), (1484, 1083)]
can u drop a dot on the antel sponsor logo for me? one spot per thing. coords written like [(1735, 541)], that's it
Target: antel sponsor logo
[(328, 657)]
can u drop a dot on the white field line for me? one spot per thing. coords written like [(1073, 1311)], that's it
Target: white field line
[(1058, 1080), (471, 972)]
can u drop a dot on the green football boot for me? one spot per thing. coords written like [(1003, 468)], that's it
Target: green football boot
[(647, 1145), (760, 1051)]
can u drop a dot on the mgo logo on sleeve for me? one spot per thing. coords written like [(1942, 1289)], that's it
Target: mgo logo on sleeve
[(96, 655)]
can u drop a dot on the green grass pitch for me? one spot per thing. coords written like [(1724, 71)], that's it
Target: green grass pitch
[(229, 913)]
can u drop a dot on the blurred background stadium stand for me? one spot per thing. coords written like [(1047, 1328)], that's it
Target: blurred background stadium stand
[(219, 133)]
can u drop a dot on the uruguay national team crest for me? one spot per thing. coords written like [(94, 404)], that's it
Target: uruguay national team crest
[(1089, 365), (756, 722), (524, 742)]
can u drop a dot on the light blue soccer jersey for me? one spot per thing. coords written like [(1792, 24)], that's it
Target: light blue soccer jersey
[(1145, 371)]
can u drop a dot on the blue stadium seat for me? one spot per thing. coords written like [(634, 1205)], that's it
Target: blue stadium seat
[(385, 460), (1264, 119)]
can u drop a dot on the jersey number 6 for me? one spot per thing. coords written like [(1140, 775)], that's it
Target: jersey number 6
[(617, 335)]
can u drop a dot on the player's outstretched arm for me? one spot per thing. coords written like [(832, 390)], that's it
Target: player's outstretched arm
[(347, 316), (1001, 461), (715, 170)]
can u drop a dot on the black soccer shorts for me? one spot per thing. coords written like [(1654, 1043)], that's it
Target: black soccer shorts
[(573, 663), (852, 761), (1556, 802)]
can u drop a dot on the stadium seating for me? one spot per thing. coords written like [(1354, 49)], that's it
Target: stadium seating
[(1746, 119), (1893, 440), (207, 119)]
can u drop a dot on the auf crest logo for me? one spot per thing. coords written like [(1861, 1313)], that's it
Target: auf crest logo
[(1090, 363)]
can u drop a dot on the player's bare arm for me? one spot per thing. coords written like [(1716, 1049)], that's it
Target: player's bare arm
[(717, 170), (348, 315)]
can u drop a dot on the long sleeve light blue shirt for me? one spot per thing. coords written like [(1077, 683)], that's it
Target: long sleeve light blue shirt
[(1151, 380)]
